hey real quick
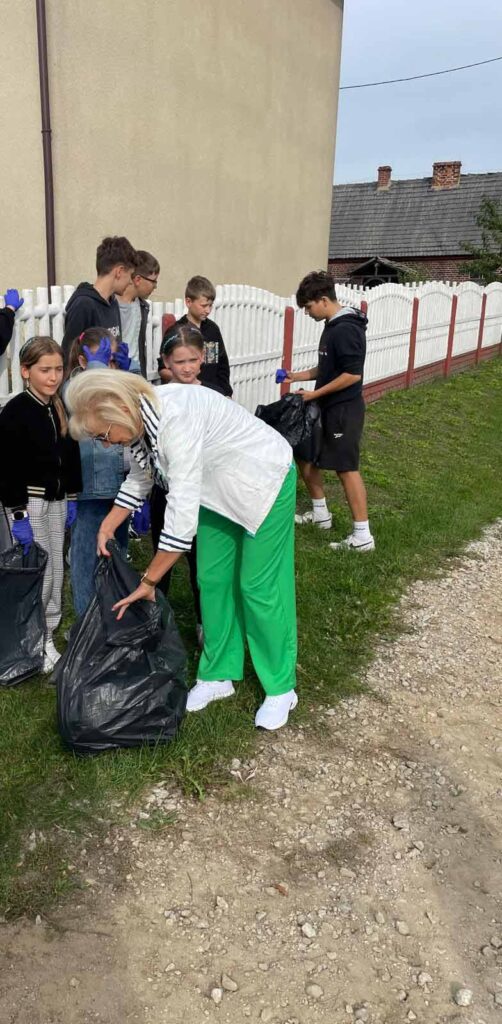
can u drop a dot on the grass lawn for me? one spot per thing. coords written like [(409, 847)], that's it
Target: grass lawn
[(433, 466)]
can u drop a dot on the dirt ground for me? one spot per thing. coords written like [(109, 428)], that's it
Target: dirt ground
[(351, 873)]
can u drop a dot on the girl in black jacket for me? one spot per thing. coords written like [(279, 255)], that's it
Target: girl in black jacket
[(40, 471)]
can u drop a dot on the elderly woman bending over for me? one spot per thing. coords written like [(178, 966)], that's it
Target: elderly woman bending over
[(231, 480)]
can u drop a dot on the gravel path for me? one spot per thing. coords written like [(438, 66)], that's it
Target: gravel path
[(357, 878)]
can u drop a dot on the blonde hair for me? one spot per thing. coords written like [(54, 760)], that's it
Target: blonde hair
[(108, 397)]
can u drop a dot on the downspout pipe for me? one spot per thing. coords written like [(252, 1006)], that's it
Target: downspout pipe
[(43, 70)]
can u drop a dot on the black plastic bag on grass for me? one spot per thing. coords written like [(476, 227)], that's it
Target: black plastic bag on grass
[(22, 616), (121, 684), (291, 417)]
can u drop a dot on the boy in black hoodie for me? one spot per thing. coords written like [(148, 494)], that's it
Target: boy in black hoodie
[(96, 305), (200, 294), (339, 392)]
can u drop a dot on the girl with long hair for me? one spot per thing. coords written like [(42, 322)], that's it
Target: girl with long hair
[(40, 472)]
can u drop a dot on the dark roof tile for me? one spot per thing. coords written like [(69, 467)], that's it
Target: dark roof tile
[(409, 218)]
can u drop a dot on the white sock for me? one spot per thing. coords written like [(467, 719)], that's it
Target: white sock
[(361, 530), (319, 508)]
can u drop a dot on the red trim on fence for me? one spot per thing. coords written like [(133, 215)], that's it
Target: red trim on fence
[(481, 327), (451, 335), (413, 342), (428, 371), (287, 345), (491, 350), (168, 320), (378, 387)]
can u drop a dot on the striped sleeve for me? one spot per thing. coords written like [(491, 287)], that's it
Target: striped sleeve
[(136, 487), (181, 451)]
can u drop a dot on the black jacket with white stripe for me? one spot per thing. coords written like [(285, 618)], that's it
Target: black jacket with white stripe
[(35, 459)]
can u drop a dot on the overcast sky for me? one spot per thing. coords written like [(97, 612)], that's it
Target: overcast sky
[(453, 117)]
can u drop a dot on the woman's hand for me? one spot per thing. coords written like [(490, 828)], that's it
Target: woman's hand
[(306, 395), (104, 534), (142, 593)]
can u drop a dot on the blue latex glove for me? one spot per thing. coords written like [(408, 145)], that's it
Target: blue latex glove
[(121, 357), (71, 514), (23, 533), (12, 298), (102, 355), (141, 519)]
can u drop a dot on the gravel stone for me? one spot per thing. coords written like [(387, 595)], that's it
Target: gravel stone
[(463, 997), (424, 979), (402, 928), (228, 983), (308, 930), (314, 991)]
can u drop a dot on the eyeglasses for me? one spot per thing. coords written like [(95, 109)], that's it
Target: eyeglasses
[(152, 280), (103, 437)]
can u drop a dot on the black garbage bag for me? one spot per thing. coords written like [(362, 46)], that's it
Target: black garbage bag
[(22, 617), (291, 417), (120, 684)]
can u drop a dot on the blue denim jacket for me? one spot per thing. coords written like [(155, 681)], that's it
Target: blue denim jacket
[(103, 468)]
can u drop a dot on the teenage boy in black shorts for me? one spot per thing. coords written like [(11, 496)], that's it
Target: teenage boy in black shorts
[(338, 390)]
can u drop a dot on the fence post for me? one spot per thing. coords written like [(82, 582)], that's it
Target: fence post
[(287, 346), (451, 335), (413, 342), (481, 327), (364, 307)]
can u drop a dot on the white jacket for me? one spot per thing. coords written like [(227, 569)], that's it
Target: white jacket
[(210, 451)]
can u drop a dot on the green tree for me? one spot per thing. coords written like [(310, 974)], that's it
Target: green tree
[(486, 263)]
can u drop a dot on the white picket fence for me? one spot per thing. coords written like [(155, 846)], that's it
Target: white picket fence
[(252, 324)]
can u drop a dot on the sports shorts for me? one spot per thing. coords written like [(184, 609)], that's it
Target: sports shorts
[(341, 430)]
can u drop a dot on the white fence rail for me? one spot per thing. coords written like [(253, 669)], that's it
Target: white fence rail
[(252, 324)]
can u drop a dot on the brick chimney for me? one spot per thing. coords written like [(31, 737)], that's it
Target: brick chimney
[(384, 174), (446, 174)]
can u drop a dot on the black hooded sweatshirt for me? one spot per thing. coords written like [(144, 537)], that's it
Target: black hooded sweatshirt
[(6, 327), (87, 308), (342, 349)]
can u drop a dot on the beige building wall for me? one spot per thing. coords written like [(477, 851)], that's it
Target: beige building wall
[(204, 132)]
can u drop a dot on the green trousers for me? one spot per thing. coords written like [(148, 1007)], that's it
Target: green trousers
[(247, 591)]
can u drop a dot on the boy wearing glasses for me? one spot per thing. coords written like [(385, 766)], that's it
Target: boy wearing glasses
[(134, 309), (95, 305)]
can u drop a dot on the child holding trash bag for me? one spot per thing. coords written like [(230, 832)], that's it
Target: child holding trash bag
[(103, 469), (230, 478), (40, 471)]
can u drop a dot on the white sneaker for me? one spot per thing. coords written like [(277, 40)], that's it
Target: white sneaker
[(274, 711), (353, 543), (204, 693), (51, 656), (308, 517)]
